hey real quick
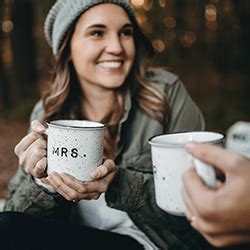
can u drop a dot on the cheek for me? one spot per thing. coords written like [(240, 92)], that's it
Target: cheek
[(75, 56), (131, 50), (77, 63), (132, 53)]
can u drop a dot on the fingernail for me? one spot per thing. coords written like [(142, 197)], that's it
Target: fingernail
[(40, 128)]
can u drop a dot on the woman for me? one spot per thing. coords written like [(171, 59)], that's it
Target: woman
[(101, 73)]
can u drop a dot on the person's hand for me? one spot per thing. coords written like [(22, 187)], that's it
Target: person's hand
[(222, 215), (74, 190), (31, 151)]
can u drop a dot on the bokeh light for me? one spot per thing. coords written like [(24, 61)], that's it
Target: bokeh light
[(211, 12), (7, 26), (163, 3), (169, 22), (159, 45), (137, 2), (188, 39), (148, 4)]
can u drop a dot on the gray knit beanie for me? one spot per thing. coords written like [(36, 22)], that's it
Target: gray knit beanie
[(64, 12)]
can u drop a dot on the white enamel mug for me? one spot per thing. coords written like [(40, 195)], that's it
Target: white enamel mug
[(170, 160), (74, 147)]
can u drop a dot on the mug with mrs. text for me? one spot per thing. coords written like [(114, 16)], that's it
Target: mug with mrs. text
[(170, 160), (74, 147)]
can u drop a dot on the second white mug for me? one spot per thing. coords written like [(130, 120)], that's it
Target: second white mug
[(170, 160)]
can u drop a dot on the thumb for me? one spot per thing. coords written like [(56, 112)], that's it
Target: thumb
[(37, 127)]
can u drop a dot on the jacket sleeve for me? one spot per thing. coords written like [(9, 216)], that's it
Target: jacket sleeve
[(26, 196)]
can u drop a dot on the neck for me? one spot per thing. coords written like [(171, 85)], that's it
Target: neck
[(98, 104)]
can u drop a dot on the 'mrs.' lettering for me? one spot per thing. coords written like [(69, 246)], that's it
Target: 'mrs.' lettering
[(55, 151), (64, 152), (74, 152)]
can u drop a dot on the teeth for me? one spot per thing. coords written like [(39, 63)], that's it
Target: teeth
[(110, 64)]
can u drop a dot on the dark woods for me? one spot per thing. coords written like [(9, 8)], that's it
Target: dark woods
[(205, 42), (22, 59)]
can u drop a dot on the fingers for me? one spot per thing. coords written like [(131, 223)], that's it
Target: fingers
[(194, 187), (26, 142), (31, 151), (37, 127), (107, 167), (215, 237), (221, 240), (33, 160), (107, 173), (113, 169), (58, 184), (73, 189), (197, 196), (40, 168), (214, 155), (37, 130)]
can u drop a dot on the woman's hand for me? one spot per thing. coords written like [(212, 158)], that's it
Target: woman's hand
[(75, 190), (31, 151)]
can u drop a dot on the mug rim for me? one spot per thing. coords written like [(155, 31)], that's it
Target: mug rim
[(182, 144), (63, 126)]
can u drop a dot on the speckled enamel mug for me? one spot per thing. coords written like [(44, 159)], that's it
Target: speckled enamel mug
[(170, 160), (74, 147)]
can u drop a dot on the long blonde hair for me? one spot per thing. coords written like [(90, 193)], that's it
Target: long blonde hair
[(62, 96)]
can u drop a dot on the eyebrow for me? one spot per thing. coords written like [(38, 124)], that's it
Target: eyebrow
[(101, 26)]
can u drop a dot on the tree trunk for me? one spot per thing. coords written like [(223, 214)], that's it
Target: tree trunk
[(5, 99), (24, 70)]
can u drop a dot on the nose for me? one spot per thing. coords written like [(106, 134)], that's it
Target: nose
[(114, 45)]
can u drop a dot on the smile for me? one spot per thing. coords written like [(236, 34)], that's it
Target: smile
[(112, 65)]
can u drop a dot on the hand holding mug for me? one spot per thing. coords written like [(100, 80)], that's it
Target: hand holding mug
[(74, 190), (73, 149), (31, 151)]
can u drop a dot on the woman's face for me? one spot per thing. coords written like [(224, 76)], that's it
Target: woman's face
[(102, 47)]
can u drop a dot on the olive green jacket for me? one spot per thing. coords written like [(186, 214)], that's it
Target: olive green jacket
[(133, 189)]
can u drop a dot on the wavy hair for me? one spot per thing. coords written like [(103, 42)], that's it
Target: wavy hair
[(62, 96)]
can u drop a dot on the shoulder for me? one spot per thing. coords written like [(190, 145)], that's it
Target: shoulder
[(166, 82), (37, 112), (161, 77)]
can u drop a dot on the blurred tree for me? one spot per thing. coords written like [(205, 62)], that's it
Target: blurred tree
[(243, 10), (24, 71), (4, 85)]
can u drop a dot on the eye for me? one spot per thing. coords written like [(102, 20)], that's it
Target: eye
[(97, 33), (127, 32)]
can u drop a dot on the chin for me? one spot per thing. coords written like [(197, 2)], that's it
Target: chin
[(114, 83)]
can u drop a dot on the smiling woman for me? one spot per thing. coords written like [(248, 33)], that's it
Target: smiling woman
[(102, 72), (109, 50)]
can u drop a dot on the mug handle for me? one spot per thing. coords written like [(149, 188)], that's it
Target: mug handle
[(206, 172)]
